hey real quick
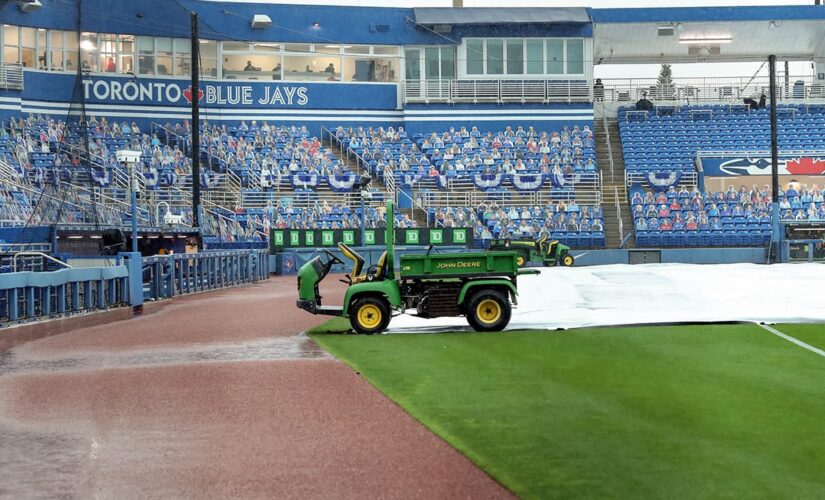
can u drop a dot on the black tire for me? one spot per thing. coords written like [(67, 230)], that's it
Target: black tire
[(488, 311), (567, 260), (362, 315)]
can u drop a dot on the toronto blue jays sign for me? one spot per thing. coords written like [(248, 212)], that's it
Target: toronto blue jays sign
[(146, 91), (788, 165)]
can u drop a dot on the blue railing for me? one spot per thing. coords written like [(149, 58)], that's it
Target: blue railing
[(165, 276), (28, 295)]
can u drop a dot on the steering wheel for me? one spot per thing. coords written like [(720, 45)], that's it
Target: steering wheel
[(332, 259)]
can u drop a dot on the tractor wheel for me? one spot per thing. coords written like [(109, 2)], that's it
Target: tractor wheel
[(369, 315), (488, 311), (567, 260)]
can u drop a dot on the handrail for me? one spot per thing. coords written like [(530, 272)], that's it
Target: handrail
[(474, 90), (36, 254), (619, 214), (609, 146)]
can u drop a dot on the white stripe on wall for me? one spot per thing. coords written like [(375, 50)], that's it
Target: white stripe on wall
[(475, 112)]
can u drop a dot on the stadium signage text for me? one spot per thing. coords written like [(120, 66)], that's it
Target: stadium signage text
[(788, 165), (133, 91)]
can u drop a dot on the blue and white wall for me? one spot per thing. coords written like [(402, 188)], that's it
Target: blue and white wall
[(421, 118)]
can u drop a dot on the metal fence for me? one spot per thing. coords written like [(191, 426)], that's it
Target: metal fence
[(722, 88), (11, 76), (166, 276), (496, 91), (29, 295)]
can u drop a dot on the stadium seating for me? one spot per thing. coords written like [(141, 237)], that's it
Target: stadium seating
[(575, 225), (731, 218), (661, 142)]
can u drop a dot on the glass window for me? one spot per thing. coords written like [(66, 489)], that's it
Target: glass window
[(371, 69), (126, 54), (235, 47), (515, 57), (11, 39), (70, 51), (555, 57), (447, 62), (108, 53), (300, 48), (163, 56), (183, 56), (146, 55), (431, 63), (42, 54), (320, 67), (266, 48), (209, 58), (535, 57), (575, 57), (11, 55), (475, 57), (29, 44), (88, 51), (11, 35), (495, 57), (412, 70), (56, 52), (357, 49), (385, 50)]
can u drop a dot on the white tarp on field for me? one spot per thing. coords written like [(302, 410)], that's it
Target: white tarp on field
[(657, 293)]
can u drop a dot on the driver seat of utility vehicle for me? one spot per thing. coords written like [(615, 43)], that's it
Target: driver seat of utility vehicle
[(357, 261)]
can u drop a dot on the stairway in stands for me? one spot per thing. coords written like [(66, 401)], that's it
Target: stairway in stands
[(614, 189)]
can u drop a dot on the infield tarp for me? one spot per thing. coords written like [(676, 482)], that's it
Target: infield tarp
[(656, 293)]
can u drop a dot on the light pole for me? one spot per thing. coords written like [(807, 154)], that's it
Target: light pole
[(130, 158)]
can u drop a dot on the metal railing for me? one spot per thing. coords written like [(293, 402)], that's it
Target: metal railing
[(688, 179), (11, 76), (723, 88), (32, 295), (449, 198), (609, 146), (496, 91), (619, 214), (166, 276)]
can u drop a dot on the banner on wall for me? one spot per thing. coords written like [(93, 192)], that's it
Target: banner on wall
[(285, 239), (731, 166), (150, 91)]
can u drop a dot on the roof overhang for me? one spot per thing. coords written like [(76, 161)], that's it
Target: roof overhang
[(481, 16)]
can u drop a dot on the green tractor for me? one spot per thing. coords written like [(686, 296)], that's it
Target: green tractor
[(544, 250), (482, 286)]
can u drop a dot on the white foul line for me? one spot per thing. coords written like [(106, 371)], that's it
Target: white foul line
[(793, 340)]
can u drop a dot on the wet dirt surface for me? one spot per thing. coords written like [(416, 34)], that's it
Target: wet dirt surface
[(214, 395)]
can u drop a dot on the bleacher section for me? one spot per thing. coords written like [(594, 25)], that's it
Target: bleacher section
[(574, 225), (669, 139)]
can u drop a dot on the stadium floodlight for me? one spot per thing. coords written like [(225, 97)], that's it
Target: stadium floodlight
[(261, 21), (707, 40), (28, 6)]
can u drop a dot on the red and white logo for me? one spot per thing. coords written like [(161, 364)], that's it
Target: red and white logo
[(805, 166), (187, 94)]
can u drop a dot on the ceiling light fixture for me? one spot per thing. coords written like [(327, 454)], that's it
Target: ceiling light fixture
[(706, 40)]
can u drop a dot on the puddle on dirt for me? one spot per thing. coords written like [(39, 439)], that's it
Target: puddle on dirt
[(42, 465), (276, 349)]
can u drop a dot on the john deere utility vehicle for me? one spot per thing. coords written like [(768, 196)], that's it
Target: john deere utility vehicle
[(544, 250), (478, 285)]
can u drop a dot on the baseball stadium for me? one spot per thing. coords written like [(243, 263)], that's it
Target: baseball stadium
[(412, 249)]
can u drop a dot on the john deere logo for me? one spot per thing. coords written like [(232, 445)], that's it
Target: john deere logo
[(458, 265)]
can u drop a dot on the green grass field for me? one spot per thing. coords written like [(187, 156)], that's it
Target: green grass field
[(716, 411)]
